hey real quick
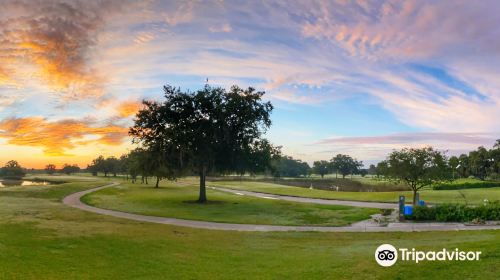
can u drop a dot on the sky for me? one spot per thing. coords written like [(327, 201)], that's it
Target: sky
[(354, 77)]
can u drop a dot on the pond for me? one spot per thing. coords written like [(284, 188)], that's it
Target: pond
[(12, 183)]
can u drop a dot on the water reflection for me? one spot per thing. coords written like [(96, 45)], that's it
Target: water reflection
[(12, 183)]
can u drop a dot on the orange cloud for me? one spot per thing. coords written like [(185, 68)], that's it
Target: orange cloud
[(128, 108), (57, 137), (53, 41)]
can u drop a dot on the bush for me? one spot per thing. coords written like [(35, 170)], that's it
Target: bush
[(424, 213), (457, 212)]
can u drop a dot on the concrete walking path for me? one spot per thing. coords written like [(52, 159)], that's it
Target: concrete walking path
[(73, 200), (378, 205)]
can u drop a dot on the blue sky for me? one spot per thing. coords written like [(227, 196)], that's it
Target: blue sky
[(355, 77)]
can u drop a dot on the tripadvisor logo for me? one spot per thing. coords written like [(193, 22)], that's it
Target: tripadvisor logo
[(387, 255)]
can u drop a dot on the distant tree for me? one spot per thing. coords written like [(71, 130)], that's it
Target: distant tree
[(417, 167), (494, 172), (50, 169), (286, 166), (12, 170), (372, 170), (463, 166), (479, 163), (454, 162), (345, 165), (112, 165), (70, 169), (210, 130), (381, 169), (97, 165), (321, 167), (363, 172)]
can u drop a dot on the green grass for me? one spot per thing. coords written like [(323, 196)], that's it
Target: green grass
[(177, 200), (472, 196), (40, 238)]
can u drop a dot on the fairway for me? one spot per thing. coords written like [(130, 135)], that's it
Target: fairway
[(472, 196), (177, 200), (43, 239)]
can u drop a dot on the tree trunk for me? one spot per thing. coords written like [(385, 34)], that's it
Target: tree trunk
[(322, 175), (146, 180), (203, 192), (415, 197), (157, 182)]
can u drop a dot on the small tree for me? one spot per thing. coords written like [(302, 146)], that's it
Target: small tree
[(321, 167), (417, 168), (50, 169)]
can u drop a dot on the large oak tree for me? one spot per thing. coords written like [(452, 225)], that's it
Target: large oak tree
[(211, 129)]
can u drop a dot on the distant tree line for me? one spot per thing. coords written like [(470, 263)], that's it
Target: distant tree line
[(67, 169), (12, 170), (481, 164), (339, 164), (286, 166)]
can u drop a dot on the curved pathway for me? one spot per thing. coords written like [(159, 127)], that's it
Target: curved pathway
[(73, 200), (378, 205)]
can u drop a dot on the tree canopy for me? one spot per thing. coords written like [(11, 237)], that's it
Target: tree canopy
[(68, 169), (321, 167), (345, 165), (50, 169), (210, 130), (417, 167), (286, 166)]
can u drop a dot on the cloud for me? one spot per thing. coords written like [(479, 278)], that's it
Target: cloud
[(144, 37), (57, 137), (182, 14), (416, 137), (53, 41), (128, 108), (226, 28), (409, 29)]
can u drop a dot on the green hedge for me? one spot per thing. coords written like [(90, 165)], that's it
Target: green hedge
[(466, 185), (457, 212)]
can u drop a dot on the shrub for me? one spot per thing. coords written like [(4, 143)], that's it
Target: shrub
[(424, 213), (457, 212)]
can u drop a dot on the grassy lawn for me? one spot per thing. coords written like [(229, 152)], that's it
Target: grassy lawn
[(177, 200), (473, 196), (40, 238)]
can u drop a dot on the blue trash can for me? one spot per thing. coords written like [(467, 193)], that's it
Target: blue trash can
[(408, 210), (421, 203)]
